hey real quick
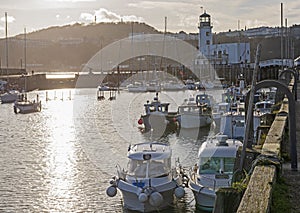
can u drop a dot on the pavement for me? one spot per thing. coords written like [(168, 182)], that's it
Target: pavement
[(292, 178)]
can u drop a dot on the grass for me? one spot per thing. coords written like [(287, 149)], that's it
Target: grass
[(280, 197)]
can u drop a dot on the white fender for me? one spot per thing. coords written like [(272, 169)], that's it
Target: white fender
[(156, 199)]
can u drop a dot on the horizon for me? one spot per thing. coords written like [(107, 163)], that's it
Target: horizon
[(181, 15)]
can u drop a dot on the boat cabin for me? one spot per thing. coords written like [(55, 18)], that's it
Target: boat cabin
[(217, 156), (149, 160)]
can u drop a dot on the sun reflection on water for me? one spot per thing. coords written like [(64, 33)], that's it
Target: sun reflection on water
[(61, 153)]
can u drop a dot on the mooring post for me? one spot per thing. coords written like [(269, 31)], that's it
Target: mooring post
[(250, 109)]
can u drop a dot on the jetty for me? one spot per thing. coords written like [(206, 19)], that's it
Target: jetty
[(269, 163)]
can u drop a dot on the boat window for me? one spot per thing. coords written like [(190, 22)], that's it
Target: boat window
[(209, 165), (216, 165), (152, 108), (137, 168), (149, 168), (159, 168), (239, 123), (229, 165)]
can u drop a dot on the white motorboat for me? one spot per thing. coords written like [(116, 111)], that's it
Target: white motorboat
[(215, 167), (137, 87), (10, 96), (149, 183), (24, 106), (194, 115), (173, 86), (153, 86)]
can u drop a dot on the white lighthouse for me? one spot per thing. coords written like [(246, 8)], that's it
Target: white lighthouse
[(205, 34), (221, 53)]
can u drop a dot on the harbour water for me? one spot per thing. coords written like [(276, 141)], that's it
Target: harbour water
[(62, 158)]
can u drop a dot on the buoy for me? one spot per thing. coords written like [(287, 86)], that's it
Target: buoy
[(179, 192), (111, 191), (140, 121), (143, 197), (156, 199)]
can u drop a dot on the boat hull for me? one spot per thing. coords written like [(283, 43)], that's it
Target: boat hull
[(194, 120), (130, 196), (25, 107), (8, 98), (160, 122), (205, 198)]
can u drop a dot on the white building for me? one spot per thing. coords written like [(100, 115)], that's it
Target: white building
[(227, 53)]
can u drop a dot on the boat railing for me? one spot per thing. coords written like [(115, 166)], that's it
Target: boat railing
[(121, 172)]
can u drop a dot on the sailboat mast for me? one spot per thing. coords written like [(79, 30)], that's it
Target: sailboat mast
[(25, 53), (6, 43)]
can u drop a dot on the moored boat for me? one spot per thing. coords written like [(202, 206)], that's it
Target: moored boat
[(158, 118), (149, 183), (214, 169), (24, 106), (10, 96), (194, 114)]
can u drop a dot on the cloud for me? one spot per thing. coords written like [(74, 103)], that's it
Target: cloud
[(10, 19), (104, 15)]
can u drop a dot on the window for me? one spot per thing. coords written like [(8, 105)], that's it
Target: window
[(207, 33), (207, 42)]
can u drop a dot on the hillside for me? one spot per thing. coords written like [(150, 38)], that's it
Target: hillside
[(66, 48)]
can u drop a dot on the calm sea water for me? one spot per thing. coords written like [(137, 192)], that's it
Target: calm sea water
[(62, 158)]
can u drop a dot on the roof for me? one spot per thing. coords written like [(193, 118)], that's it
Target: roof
[(156, 151), (204, 15), (210, 148)]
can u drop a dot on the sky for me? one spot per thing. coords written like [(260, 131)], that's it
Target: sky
[(181, 15)]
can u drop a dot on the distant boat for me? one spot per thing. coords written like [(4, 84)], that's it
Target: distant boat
[(137, 87), (24, 106), (149, 183), (153, 86), (173, 86), (10, 96)]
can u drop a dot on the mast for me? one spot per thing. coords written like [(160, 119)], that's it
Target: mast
[(281, 34), (25, 53), (6, 44)]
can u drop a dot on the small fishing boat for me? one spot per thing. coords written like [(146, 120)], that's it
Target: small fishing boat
[(215, 167), (195, 114), (158, 118), (24, 106), (149, 183)]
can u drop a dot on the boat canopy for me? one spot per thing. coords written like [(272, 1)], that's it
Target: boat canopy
[(147, 151)]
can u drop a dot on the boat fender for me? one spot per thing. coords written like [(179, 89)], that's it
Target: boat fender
[(156, 199), (179, 192), (111, 191), (140, 121), (143, 197)]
